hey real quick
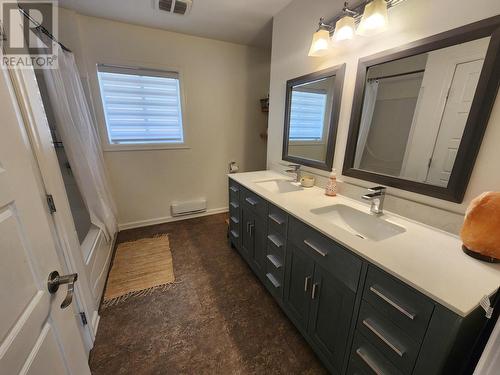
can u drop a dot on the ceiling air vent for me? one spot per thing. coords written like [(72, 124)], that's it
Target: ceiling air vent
[(181, 7)]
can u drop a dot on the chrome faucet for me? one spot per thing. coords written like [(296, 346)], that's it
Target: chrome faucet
[(296, 170), (376, 196)]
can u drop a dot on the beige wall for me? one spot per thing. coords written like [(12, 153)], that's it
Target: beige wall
[(222, 84), (412, 20)]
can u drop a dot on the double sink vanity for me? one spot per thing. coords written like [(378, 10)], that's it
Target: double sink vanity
[(370, 293)]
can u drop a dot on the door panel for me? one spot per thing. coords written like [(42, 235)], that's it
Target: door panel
[(331, 313), (247, 244), (260, 236), (299, 277), (34, 331), (456, 113)]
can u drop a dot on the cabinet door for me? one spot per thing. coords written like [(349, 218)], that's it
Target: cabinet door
[(259, 232), (298, 284), (332, 307), (247, 240)]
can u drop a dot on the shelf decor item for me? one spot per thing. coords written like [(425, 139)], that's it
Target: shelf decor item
[(480, 233)]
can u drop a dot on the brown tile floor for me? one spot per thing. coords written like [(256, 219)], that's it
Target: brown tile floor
[(216, 319)]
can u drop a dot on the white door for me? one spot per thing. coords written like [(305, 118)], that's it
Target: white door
[(36, 335), (456, 112)]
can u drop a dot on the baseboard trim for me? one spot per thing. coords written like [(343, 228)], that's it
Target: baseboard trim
[(167, 219)]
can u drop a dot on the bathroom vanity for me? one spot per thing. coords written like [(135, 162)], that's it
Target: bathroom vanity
[(370, 294)]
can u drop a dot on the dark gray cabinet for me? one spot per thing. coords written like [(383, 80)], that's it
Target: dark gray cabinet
[(253, 231), (332, 307), (298, 285), (356, 317)]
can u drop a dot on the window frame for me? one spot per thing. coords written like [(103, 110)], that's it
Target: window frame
[(103, 127)]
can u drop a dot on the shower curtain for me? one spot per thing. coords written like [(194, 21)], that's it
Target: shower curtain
[(81, 141), (370, 98)]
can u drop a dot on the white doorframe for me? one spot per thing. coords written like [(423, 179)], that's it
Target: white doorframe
[(25, 85)]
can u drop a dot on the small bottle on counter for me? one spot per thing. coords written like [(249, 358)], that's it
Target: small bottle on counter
[(331, 185)]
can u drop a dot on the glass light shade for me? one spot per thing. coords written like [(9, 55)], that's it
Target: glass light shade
[(344, 29), (374, 18), (320, 43)]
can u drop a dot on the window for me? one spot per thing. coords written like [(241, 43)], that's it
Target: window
[(141, 106), (307, 115)]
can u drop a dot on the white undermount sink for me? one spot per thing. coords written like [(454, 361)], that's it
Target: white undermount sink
[(361, 224), (279, 185)]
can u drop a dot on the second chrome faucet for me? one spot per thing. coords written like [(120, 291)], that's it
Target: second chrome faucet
[(376, 196)]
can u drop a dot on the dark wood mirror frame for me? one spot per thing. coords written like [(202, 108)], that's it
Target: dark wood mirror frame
[(477, 121), (337, 71)]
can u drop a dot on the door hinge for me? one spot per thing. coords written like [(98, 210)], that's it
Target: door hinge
[(83, 317), (50, 203)]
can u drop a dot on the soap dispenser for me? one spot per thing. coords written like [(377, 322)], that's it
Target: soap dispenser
[(331, 185)]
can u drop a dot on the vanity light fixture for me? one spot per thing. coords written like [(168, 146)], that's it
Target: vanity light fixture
[(344, 27), (370, 15), (320, 44), (374, 18)]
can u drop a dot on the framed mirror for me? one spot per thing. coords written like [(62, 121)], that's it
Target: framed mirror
[(420, 111), (311, 116)]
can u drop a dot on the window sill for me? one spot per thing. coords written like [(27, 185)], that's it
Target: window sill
[(145, 147)]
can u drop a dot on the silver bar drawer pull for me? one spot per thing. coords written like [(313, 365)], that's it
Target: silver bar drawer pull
[(368, 324), (306, 283), (234, 189), (321, 252), (276, 219), (251, 201), (274, 261), (234, 220), (276, 242), (234, 205), (369, 362), (401, 309)]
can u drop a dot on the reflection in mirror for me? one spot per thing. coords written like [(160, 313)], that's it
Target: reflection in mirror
[(311, 115), (415, 110), (310, 110)]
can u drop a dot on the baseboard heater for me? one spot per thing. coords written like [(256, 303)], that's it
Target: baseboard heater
[(194, 206)]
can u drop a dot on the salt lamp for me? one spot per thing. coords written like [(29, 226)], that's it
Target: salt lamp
[(481, 230)]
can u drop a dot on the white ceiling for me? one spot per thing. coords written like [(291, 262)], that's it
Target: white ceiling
[(240, 21)]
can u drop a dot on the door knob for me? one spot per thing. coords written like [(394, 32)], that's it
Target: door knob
[(55, 280)]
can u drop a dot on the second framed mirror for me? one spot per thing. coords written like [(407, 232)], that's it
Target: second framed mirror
[(311, 117)]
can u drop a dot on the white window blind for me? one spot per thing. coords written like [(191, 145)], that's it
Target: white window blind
[(307, 114), (141, 106)]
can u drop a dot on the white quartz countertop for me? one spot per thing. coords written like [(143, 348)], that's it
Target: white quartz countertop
[(429, 260)]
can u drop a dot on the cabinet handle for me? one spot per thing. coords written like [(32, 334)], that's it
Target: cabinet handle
[(274, 240), (369, 362), (392, 303), (234, 220), (275, 262), (235, 235), (248, 225), (369, 325), (251, 201), (251, 226), (234, 189), (306, 283), (276, 219), (234, 205), (321, 252), (315, 288)]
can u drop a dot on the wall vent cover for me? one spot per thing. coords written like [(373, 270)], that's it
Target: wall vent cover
[(181, 7)]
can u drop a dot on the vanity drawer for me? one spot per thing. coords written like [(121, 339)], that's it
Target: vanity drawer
[(254, 202), (366, 360), (388, 338), (405, 307), (274, 285), (278, 219), (234, 211), (344, 265)]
